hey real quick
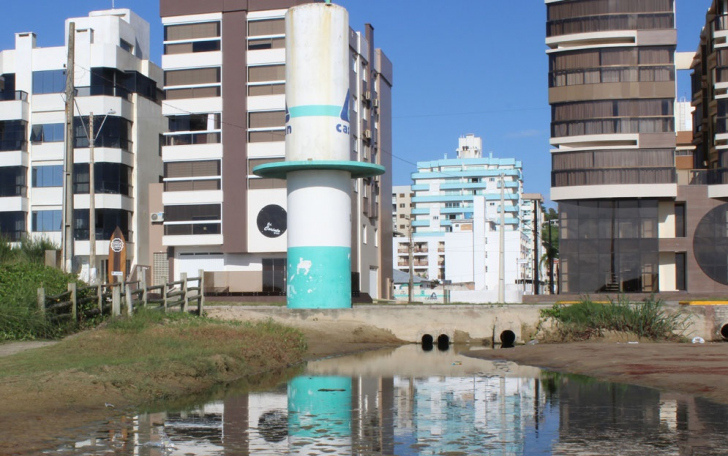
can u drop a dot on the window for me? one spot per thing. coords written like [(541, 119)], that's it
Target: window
[(125, 45), (47, 133), (364, 234), (12, 225), (115, 133), (194, 122), (401, 204), (267, 27), (192, 47), (13, 181), (679, 220), (52, 81), (48, 176), (111, 178), (267, 43), (13, 135), (353, 63), (267, 119), (106, 222), (265, 73), (192, 31), (196, 76), (46, 221), (376, 238)]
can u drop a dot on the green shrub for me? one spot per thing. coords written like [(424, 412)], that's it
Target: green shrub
[(587, 319), (20, 317)]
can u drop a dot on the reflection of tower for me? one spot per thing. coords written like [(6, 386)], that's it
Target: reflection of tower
[(318, 167), (319, 415)]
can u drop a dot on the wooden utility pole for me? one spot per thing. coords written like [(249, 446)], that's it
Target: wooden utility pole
[(91, 201), (68, 159)]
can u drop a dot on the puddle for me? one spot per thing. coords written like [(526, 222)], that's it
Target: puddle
[(407, 401)]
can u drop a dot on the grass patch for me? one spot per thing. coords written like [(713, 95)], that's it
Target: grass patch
[(587, 319), (150, 355)]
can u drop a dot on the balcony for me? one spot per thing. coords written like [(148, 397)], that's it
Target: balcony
[(188, 139), (18, 95), (613, 176), (605, 23), (564, 78)]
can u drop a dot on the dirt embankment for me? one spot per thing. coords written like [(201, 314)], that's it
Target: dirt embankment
[(698, 369), (36, 411)]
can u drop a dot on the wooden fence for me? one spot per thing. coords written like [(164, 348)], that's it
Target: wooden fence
[(115, 298)]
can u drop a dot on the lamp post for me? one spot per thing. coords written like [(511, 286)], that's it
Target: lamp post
[(92, 193)]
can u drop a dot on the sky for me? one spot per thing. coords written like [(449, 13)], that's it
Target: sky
[(472, 66)]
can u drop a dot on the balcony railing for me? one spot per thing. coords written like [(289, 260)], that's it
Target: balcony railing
[(607, 23), (13, 144), (13, 191), (109, 91), (623, 125), (192, 229), (708, 176), (663, 73), (611, 176), (18, 95), (101, 235), (186, 139)]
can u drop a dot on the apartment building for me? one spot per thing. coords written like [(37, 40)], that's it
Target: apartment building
[(460, 206), (401, 208), (640, 207), (224, 72), (115, 81)]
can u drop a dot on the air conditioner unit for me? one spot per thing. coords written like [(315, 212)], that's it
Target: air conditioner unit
[(367, 134), (157, 217), (367, 95), (376, 102)]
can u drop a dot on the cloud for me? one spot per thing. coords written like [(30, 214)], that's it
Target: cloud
[(524, 134)]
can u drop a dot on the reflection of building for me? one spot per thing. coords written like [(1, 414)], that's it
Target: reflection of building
[(224, 70), (456, 221), (113, 76)]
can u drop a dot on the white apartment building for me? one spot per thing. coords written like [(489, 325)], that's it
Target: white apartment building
[(224, 72), (460, 207), (115, 81)]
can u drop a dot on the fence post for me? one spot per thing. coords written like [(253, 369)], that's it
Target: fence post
[(116, 300), (201, 299), (100, 298), (183, 278), (164, 296), (74, 301), (129, 299), (41, 300), (143, 285)]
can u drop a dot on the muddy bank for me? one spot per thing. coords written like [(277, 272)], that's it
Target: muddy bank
[(40, 409), (698, 369)]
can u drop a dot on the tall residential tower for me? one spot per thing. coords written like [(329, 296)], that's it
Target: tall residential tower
[(224, 75)]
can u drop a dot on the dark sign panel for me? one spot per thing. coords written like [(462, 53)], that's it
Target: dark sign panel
[(117, 256), (272, 221)]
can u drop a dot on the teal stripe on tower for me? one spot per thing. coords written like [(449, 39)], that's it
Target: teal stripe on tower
[(319, 277)]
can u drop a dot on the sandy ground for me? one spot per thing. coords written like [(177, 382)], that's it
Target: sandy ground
[(698, 369)]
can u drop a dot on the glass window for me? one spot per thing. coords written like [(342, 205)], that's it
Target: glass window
[(115, 133), (127, 46), (47, 133), (107, 220), (47, 221), (12, 225), (13, 181), (52, 81), (274, 275), (48, 176), (191, 31), (13, 135), (111, 178), (679, 220)]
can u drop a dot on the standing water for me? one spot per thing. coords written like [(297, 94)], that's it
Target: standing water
[(408, 401)]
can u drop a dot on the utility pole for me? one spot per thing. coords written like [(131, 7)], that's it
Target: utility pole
[(411, 262), (502, 248), (91, 201), (536, 240), (68, 159), (551, 261)]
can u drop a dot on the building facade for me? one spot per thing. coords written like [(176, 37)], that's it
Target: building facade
[(641, 203), (115, 80), (460, 207), (226, 107), (401, 209)]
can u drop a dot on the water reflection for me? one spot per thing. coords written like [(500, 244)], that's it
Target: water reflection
[(414, 402)]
